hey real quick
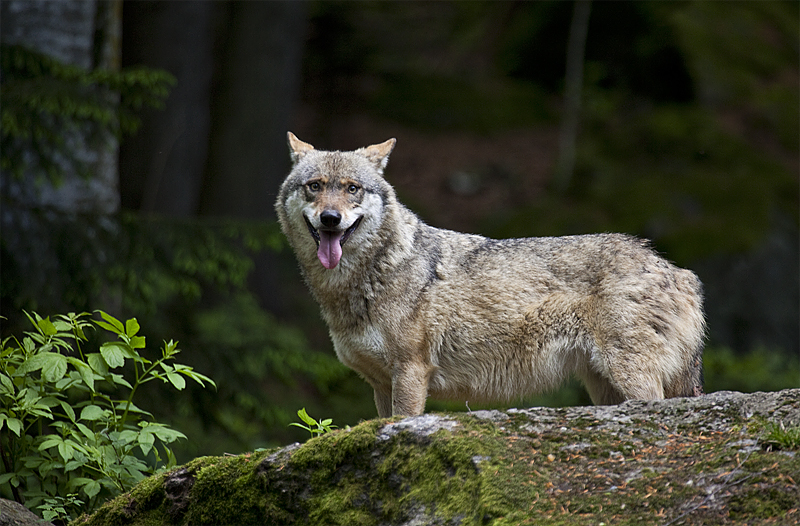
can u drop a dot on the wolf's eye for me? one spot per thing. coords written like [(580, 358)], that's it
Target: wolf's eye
[(352, 188), (314, 186)]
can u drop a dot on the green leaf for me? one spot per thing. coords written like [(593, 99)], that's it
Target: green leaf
[(85, 431), (112, 354), (176, 380), (127, 436), (138, 342), (131, 407), (146, 441), (34, 363), (120, 380), (73, 464), (194, 375), (131, 327), (172, 461), (62, 326), (77, 482), (7, 383), (108, 327), (54, 367), (92, 412), (305, 418), (113, 325), (46, 326), (50, 442), (98, 363), (170, 349), (65, 450), (163, 432), (47, 401), (13, 424), (68, 410), (91, 489), (301, 426), (84, 370)]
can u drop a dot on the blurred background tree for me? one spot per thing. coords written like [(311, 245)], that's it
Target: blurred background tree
[(687, 133)]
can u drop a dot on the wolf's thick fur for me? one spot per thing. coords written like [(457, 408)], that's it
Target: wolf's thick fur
[(419, 311)]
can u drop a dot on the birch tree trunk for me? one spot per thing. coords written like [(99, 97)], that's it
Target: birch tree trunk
[(85, 33)]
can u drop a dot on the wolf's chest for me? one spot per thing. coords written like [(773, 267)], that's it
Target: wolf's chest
[(363, 350)]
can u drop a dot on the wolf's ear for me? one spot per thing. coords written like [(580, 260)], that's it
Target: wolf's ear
[(298, 148), (378, 153)]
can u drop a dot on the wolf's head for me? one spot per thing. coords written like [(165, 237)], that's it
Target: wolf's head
[(329, 196)]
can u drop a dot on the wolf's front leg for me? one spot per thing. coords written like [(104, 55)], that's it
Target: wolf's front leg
[(383, 402), (410, 389)]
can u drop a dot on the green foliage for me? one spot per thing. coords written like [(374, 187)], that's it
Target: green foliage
[(265, 368), (71, 426), (757, 370), (56, 508), (438, 103), (778, 436), (187, 280), (311, 425), (44, 101), (63, 262)]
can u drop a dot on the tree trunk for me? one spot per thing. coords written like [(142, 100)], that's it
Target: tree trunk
[(573, 84), (162, 165), (83, 33), (257, 84)]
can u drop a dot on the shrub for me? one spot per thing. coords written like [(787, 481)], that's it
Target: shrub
[(71, 437)]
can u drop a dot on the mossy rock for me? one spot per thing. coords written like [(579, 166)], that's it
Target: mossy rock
[(681, 461)]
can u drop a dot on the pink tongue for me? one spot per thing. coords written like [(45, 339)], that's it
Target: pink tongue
[(330, 250)]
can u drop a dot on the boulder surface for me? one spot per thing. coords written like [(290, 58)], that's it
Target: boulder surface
[(722, 458)]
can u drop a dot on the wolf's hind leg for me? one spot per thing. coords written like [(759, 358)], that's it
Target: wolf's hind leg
[(630, 382), (600, 389)]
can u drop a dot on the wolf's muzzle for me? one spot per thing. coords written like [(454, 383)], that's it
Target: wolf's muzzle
[(330, 242)]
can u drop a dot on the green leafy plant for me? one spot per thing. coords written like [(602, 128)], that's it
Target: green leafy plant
[(55, 508), (70, 426), (778, 436), (42, 99), (311, 425)]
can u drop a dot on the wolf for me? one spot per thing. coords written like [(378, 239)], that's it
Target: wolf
[(420, 311)]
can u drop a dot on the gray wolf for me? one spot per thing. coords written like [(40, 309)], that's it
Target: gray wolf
[(420, 311)]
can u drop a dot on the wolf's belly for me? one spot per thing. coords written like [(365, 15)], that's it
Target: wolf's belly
[(501, 370)]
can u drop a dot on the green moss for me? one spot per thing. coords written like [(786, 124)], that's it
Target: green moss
[(760, 503), (352, 484), (482, 472), (240, 499)]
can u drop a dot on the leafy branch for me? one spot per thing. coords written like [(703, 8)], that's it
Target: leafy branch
[(69, 431)]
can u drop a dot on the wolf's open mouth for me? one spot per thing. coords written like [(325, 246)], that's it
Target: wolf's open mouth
[(330, 242)]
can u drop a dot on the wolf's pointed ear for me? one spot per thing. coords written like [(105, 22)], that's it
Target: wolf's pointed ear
[(378, 153), (298, 148)]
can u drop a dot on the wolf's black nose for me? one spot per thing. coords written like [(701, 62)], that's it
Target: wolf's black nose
[(330, 218)]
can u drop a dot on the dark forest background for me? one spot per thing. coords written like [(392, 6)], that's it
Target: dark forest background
[(150, 193)]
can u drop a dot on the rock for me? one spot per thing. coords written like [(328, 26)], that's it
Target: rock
[(13, 513), (712, 459)]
